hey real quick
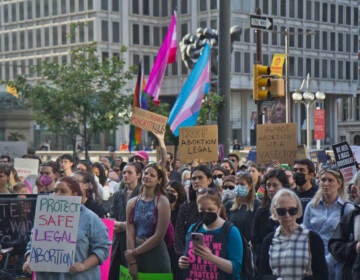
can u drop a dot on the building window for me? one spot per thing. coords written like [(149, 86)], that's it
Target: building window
[(265, 7), (81, 5), (29, 10), (55, 7), (81, 33), (213, 4), (355, 71), (292, 66), (283, 8), (184, 6), (7, 42), (38, 38), (213, 24), (72, 6), (317, 40), (90, 5), (156, 8), (247, 35), (273, 36), (146, 64), (21, 11), (104, 5), (308, 65), (47, 36), (164, 11), (340, 42), (14, 41), (237, 62), (146, 7), (105, 56), (146, 35), (55, 35), (316, 68), (332, 69), (115, 5), (317, 11), (332, 41), (347, 70), (348, 43), (22, 40), (156, 32), (340, 14), (184, 29), (63, 6), (265, 38), (135, 7), (91, 31), (274, 8), (104, 31), (30, 39), (309, 9), (203, 24), (300, 9), (116, 32), (38, 8), (340, 70), (291, 35), (324, 12), (324, 40), (203, 5), (136, 35), (291, 9), (356, 44), (348, 15), (174, 68), (332, 13), (63, 34), (247, 63), (324, 68), (356, 16), (136, 60), (282, 38)]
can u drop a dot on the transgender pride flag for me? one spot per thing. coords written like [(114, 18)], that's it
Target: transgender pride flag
[(187, 106), (165, 56)]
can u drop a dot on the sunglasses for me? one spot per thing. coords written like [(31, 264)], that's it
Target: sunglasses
[(229, 187), (282, 211), (207, 190), (194, 178), (219, 176)]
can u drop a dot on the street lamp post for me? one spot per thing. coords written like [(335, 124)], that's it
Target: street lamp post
[(308, 99)]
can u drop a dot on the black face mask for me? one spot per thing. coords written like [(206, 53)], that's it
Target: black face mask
[(171, 197), (208, 217), (299, 179)]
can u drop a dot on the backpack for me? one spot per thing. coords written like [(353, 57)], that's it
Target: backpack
[(248, 269), (169, 237)]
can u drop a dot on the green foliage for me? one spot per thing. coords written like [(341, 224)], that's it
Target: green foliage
[(81, 97), (209, 109)]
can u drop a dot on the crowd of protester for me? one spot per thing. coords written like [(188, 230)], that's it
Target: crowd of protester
[(302, 221)]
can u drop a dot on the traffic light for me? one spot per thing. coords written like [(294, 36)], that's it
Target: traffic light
[(262, 83), (277, 87)]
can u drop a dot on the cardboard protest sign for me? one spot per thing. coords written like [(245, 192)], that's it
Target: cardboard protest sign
[(16, 222), (276, 142), (345, 160), (53, 244), (356, 152), (13, 148), (198, 142), (149, 121), (26, 166)]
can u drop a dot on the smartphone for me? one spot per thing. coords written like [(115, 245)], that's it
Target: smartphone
[(197, 238)]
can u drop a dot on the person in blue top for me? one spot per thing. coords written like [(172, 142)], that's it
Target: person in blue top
[(92, 243), (324, 211), (220, 256)]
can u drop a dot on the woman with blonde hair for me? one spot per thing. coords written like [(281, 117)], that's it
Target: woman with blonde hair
[(324, 211), (292, 251), (245, 204)]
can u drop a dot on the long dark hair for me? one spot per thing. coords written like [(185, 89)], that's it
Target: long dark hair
[(92, 191), (206, 170), (72, 184), (178, 187), (102, 176), (274, 173)]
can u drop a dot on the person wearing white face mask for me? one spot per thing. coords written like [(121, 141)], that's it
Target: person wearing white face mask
[(245, 204)]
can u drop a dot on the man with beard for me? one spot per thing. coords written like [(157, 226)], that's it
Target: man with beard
[(304, 175)]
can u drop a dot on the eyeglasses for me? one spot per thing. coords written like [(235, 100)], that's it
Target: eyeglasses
[(207, 190), (219, 176), (282, 211), (229, 187), (194, 178)]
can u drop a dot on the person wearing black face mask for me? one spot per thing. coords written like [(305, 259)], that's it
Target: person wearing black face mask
[(176, 195), (304, 174), (219, 255)]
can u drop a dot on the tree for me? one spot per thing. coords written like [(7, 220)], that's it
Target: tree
[(79, 98), (209, 109)]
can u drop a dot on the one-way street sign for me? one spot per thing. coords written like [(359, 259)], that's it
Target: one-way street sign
[(260, 22)]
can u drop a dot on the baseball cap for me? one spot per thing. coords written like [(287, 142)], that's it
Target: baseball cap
[(142, 154)]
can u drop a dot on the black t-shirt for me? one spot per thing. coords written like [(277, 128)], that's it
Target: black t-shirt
[(305, 197)]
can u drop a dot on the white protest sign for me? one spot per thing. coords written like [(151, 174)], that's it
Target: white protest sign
[(26, 166), (54, 235)]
